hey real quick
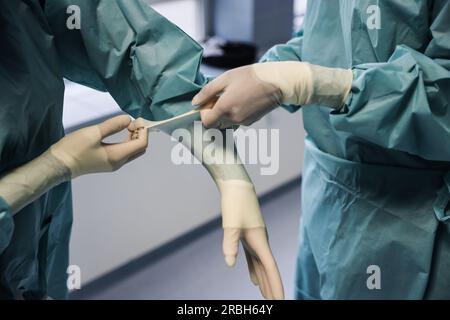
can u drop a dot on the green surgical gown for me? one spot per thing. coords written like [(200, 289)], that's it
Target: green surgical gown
[(376, 179), (148, 65)]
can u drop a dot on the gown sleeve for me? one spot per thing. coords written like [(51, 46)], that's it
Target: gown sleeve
[(147, 64), (404, 104)]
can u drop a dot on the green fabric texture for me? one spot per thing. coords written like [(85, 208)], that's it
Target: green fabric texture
[(375, 186), (148, 65)]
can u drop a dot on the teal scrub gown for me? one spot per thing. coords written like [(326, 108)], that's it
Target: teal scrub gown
[(376, 179), (148, 65)]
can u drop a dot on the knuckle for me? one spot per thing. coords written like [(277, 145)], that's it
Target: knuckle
[(139, 122), (114, 160), (117, 126), (238, 119), (235, 115), (207, 124)]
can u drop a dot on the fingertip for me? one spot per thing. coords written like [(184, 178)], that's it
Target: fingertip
[(202, 96), (279, 297), (123, 117), (197, 99), (210, 118), (114, 125), (210, 90), (203, 113), (123, 120), (142, 139), (205, 118), (230, 260), (145, 134), (254, 279)]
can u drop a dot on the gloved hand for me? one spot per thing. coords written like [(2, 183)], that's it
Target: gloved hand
[(250, 92), (242, 221), (78, 153), (84, 152)]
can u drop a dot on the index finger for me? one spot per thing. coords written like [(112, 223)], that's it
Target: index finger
[(114, 125), (136, 124), (211, 117), (259, 243), (125, 150), (211, 90)]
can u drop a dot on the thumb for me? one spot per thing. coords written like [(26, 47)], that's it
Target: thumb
[(114, 125), (211, 90), (231, 237)]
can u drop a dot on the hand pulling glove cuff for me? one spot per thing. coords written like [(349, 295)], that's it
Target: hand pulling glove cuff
[(82, 153)]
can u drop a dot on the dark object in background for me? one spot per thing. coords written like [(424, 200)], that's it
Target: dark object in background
[(228, 54)]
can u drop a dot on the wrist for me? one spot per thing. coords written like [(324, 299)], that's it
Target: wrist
[(330, 86), (240, 207), (65, 159), (82, 152)]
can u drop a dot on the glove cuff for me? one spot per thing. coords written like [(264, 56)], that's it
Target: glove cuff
[(240, 207), (293, 78), (303, 83), (330, 86), (25, 184)]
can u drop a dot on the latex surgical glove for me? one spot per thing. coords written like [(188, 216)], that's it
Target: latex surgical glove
[(78, 153), (246, 94), (84, 152), (241, 216), (242, 222)]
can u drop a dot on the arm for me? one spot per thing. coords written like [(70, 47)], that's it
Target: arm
[(79, 153), (404, 104), (147, 64), (241, 216)]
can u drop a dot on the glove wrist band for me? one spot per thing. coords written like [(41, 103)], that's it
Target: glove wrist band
[(25, 184)]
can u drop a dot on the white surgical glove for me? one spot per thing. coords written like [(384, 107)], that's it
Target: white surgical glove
[(78, 153), (242, 222), (241, 216), (83, 151), (244, 95)]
